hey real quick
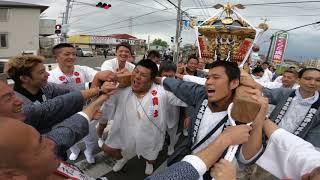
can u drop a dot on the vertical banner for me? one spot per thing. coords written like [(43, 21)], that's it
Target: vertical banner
[(279, 47)]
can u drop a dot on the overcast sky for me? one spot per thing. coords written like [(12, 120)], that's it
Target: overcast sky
[(85, 19)]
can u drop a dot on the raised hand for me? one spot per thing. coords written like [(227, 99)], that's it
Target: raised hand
[(103, 76), (109, 87), (94, 106), (124, 70), (234, 135)]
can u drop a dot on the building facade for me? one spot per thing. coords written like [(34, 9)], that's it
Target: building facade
[(19, 28), (315, 63), (98, 43)]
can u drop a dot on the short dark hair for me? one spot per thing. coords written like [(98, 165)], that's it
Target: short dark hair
[(60, 46), (124, 44), (231, 68), (257, 69), (153, 54), (193, 56), (167, 66), (147, 63), (265, 62), (302, 71)]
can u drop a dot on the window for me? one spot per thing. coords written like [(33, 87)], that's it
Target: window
[(3, 40), (4, 14)]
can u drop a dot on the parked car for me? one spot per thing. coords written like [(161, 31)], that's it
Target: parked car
[(84, 52), (87, 52), (111, 52), (79, 52)]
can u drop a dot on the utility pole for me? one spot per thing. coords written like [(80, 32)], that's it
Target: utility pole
[(131, 25), (148, 42), (270, 46), (178, 32), (65, 21)]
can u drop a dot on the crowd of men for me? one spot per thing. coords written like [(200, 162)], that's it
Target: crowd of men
[(45, 114)]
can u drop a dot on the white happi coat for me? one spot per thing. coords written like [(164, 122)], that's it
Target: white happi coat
[(113, 65), (288, 156), (134, 135), (173, 114), (81, 74), (274, 85)]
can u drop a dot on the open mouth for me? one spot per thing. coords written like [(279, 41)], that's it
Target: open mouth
[(211, 92)]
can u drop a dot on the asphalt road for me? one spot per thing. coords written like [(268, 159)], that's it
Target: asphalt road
[(134, 169), (88, 61), (85, 61)]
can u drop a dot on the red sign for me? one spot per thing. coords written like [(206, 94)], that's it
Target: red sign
[(279, 48), (244, 48)]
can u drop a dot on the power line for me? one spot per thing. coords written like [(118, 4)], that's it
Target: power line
[(88, 4), (80, 6), (299, 15), (298, 7), (141, 24), (135, 17), (184, 12), (273, 3), (298, 27), (84, 3), (161, 4), (139, 4), (91, 12), (276, 16), (259, 4), (201, 9), (173, 4), (203, 4), (71, 8)]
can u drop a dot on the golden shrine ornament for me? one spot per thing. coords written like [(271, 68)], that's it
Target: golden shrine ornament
[(227, 36)]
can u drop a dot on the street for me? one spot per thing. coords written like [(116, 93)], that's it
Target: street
[(85, 61), (134, 169)]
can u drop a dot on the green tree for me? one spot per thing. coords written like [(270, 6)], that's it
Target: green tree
[(160, 42)]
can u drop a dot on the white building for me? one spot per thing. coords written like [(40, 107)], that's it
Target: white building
[(312, 63), (98, 43), (19, 28)]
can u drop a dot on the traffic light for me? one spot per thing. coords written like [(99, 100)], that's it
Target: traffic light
[(58, 29), (180, 39), (103, 5), (172, 39)]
